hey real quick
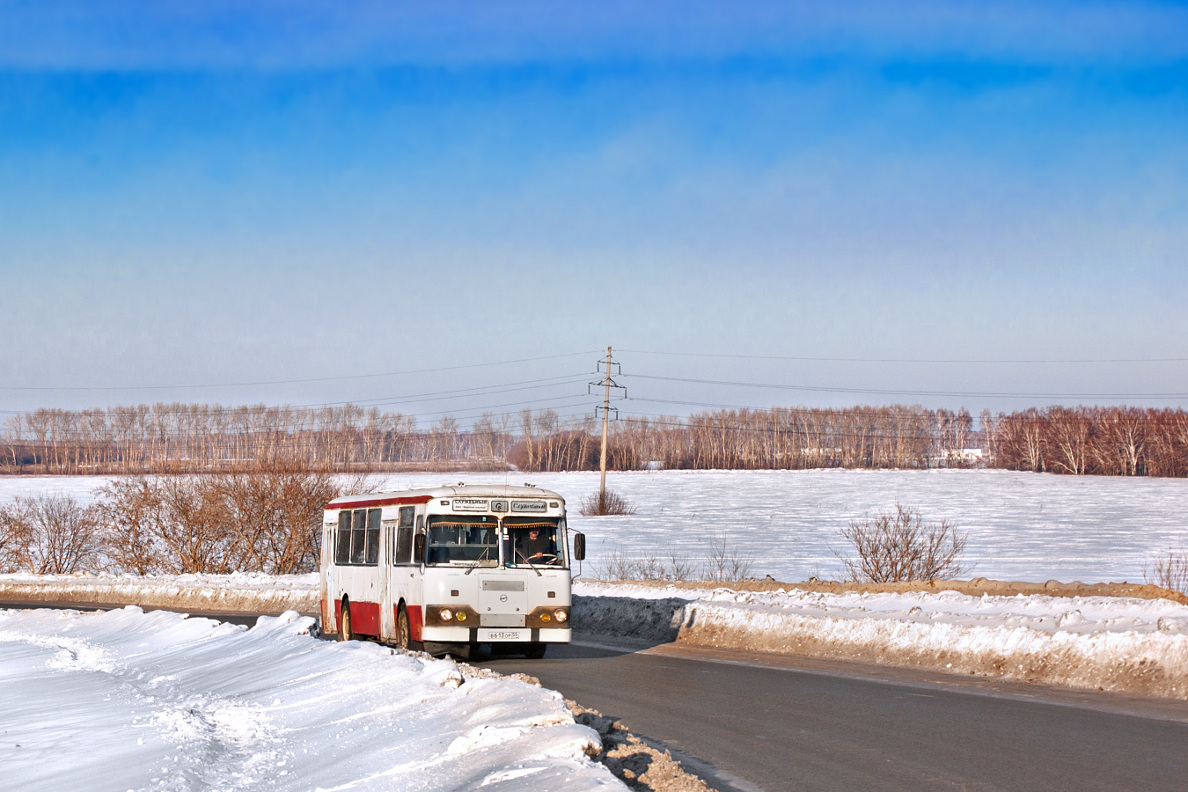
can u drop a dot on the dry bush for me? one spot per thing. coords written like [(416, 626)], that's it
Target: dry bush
[(614, 566), (49, 535), (129, 509), (11, 530), (893, 548), (680, 568), (1169, 571), (263, 520), (726, 563), (723, 564), (617, 566), (609, 504)]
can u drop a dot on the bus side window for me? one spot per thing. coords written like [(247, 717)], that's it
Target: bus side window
[(342, 544), (373, 536), (359, 536), (404, 536)]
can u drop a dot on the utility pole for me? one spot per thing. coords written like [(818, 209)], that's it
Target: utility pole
[(607, 383)]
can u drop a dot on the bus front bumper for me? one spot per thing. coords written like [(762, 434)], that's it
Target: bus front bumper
[(478, 635)]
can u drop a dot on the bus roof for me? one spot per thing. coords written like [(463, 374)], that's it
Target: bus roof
[(426, 494)]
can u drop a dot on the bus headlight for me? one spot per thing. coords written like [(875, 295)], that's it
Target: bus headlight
[(445, 614), (560, 615), (460, 616), (544, 617)]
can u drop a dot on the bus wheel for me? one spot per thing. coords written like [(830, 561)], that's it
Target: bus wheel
[(344, 622), (403, 633), (535, 651)]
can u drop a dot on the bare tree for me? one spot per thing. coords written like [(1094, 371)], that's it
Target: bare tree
[(128, 509), (893, 548), (50, 534)]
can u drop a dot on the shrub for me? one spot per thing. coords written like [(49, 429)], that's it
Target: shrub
[(726, 563), (1169, 571), (608, 504), (897, 547), (49, 535), (723, 564), (264, 520)]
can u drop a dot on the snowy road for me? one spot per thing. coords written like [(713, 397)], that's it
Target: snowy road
[(831, 726)]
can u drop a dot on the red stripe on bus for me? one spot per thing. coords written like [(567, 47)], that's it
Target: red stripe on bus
[(416, 620), (336, 505), (365, 618)]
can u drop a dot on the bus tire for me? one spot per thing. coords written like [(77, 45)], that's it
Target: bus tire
[(344, 622), (403, 631), (535, 651)]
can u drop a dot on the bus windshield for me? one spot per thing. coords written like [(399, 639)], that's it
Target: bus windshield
[(534, 541), (464, 541)]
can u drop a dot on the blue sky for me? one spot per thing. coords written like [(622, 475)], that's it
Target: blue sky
[(234, 192)]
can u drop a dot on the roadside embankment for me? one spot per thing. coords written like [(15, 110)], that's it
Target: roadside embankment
[(1125, 644), (1116, 637), (238, 593)]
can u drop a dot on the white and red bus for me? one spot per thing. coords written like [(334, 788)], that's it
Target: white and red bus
[(448, 568)]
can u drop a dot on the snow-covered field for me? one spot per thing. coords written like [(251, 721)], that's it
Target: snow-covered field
[(131, 700), (1022, 526)]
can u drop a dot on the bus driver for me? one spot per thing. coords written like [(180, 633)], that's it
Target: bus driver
[(537, 549)]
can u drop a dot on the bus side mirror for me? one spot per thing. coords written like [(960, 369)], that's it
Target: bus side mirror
[(579, 546), (419, 549)]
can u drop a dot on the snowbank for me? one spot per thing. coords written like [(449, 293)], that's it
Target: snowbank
[(1113, 643), (1110, 643), (125, 699), (236, 593)]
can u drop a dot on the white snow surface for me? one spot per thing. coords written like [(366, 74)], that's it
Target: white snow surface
[(1021, 526), (124, 699)]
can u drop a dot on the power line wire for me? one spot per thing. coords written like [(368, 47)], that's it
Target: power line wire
[(906, 392), (291, 381), (941, 361)]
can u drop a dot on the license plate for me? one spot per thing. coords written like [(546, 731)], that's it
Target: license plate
[(496, 634)]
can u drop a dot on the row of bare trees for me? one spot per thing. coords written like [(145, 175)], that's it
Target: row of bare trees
[(179, 438), (1111, 441), (183, 438), (794, 438), (264, 520)]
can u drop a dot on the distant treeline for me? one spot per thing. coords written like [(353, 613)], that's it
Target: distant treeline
[(198, 438), (1110, 441)]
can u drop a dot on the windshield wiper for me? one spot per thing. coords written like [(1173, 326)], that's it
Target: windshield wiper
[(478, 561), (529, 563)]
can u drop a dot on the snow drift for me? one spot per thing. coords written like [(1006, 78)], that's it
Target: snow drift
[(125, 699)]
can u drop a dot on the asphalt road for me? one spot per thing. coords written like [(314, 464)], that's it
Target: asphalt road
[(797, 725)]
